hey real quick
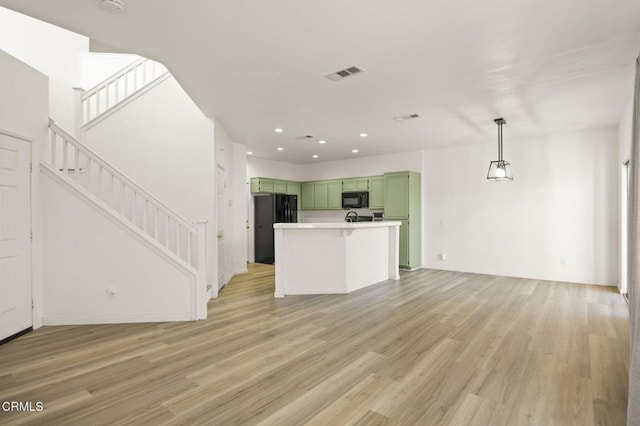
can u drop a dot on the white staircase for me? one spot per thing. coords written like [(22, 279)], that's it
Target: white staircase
[(180, 242), (116, 91)]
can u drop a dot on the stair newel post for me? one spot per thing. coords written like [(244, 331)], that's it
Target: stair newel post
[(52, 145), (201, 291), (79, 113)]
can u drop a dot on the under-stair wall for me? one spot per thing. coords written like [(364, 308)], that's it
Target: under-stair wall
[(98, 271), (162, 141), (113, 252)]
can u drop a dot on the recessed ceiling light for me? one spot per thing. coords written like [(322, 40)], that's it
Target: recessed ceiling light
[(114, 6), (315, 155), (280, 148), (355, 151), (363, 135), (322, 141), (249, 152), (278, 130)]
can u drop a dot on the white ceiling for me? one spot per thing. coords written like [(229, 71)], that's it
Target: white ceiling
[(255, 65)]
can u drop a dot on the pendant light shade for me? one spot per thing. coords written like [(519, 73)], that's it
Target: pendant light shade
[(500, 169)]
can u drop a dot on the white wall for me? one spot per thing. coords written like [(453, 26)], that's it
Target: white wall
[(232, 158), (24, 111), (97, 67), (239, 206), (562, 205), (625, 131), (51, 50), (261, 167), (365, 166), (96, 272), (164, 143)]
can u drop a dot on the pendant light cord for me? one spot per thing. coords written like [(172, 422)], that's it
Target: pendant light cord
[(500, 142)]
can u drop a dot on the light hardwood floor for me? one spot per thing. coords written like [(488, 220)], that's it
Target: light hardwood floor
[(434, 348)]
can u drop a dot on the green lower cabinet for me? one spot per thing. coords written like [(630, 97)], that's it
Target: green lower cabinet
[(409, 256), (376, 192), (335, 195), (404, 244), (307, 196)]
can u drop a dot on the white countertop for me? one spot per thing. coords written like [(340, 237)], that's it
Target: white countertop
[(336, 225)]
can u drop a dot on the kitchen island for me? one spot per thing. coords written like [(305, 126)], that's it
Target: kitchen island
[(334, 258)]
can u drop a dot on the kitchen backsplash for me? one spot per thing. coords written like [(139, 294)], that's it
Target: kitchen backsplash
[(311, 216)]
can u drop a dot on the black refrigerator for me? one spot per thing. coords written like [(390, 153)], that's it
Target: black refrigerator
[(270, 209)]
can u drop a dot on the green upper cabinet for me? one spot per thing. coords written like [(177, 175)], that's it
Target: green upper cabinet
[(274, 186), (390, 192), (261, 185), (376, 192), (295, 188), (324, 195), (280, 187), (396, 201), (359, 184), (321, 195), (335, 194), (307, 197)]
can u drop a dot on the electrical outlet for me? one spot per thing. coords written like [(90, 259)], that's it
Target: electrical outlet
[(443, 256), (563, 261)]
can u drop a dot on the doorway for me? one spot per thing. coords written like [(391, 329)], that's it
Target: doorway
[(15, 236), (221, 203)]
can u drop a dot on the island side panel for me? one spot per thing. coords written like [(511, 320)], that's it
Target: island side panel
[(394, 252), (367, 257), (280, 261), (315, 261)]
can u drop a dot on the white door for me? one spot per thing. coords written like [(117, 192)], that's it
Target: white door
[(221, 203), (15, 236)]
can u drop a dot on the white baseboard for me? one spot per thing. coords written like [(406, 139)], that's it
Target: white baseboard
[(187, 316), (539, 278)]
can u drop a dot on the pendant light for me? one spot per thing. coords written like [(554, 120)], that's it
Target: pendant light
[(500, 169)]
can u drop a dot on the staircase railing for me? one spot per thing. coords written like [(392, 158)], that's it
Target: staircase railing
[(118, 87), (152, 219)]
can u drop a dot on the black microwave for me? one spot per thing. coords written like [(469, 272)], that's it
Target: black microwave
[(355, 200)]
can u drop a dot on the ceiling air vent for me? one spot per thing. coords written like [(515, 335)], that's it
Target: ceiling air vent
[(347, 72), (302, 138), (406, 117)]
